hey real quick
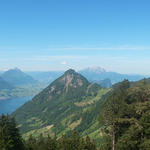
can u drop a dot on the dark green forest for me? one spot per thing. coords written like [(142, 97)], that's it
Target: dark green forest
[(10, 139), (126, 117)]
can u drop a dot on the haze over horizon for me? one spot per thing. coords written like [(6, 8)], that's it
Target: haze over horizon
[(58, 35)]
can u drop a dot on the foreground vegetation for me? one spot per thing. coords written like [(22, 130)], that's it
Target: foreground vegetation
[(10, 139), (126, 117)]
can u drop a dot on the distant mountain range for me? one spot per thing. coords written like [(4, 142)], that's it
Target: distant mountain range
[(93, 74), (97, 74), (36, 80)]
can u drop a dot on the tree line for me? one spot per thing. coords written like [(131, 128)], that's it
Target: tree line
[(10, 139)]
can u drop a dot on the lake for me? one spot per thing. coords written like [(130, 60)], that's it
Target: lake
[(10, 105)]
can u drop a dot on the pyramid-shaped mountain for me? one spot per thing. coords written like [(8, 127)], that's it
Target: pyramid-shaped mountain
[(17, 77), (66, 104)]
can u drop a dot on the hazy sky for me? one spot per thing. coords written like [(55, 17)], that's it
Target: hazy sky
[(62, 34)]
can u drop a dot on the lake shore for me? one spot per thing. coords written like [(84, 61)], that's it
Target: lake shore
[(11, 104)]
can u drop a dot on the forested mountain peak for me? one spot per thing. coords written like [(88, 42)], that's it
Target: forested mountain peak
[(59, 107), (70, 83), (73, 79), (70, 71)]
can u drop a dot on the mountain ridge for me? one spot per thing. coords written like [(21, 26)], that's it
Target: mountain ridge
[(93, 75)]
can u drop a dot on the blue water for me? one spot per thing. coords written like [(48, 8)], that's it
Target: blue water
[(10, 105)]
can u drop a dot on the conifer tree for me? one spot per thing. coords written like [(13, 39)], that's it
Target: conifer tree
[(113, 110), (10, 138)]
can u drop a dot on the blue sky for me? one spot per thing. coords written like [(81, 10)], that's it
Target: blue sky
[(61, 34)]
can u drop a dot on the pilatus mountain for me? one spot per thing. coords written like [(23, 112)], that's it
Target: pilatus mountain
[(98, 74)]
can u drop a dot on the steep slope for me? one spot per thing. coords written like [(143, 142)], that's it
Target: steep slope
[(97, 74), (17, 77), (125, 116), (69, 103), (4, 84)]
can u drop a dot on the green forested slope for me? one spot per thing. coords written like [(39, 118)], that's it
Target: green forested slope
[(10, 139), (126, 116), (69, 103), (72, 103)]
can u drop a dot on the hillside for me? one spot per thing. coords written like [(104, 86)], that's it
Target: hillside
[(117, 117), (17, 78), (126, 116), (5, 85), (106, 83), (69, 103), (15, 83)]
